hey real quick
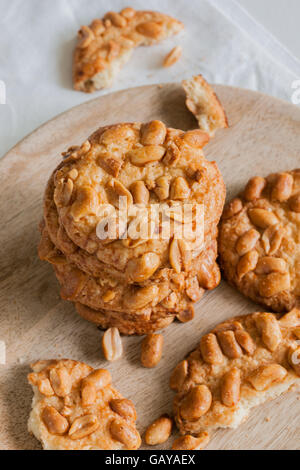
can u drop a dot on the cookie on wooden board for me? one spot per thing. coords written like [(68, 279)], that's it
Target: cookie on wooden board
[(75, 407), (259, 240), (158, 171), (131, 308), (145, 164), (240, 364)]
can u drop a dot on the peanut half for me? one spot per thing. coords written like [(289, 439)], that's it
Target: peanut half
[(262, 218), (283, 187), (112, 345), (191, 443), (254, 188), (153, 133), (123, 407), (144, 155), (229, 344), (159, 431), (231, 385), (121, 431), (265, 376), (100, 378), (247, 242), (150, 29), (210, 349), (294, 203), (269, 329), (179, 375), (84, 426), (173, 56), (152, 348), (196, 403), (61, 381), (54, 421)]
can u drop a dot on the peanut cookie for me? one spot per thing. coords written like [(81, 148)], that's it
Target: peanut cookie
[(107, 44), (133, 309), (156, 277), (76, 408), (127, 323), (259, 241), (240, 364), (90, 263), (145, 164), (202, 101), (81, 258)]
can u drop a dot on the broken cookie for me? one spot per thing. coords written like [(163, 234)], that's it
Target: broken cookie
[(203, 102), (259, 243), (240, 364), (107, 44), (75, 407)]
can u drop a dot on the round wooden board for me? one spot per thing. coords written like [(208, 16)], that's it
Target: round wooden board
[(34, 323)]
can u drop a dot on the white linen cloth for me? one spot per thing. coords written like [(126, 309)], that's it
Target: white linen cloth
[(37, 38)]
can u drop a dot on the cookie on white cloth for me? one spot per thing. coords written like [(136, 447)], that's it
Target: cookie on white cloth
[(107, 44)]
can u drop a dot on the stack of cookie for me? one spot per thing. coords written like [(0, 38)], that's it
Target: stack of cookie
[(115, 230)]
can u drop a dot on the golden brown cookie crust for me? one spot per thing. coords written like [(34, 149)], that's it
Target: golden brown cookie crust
[(154, 279), (240, 364), (107, 44), (89, 263), (76, 408), (179, 167), (127, 324), (259, 243), (81, 258), (162, 298)]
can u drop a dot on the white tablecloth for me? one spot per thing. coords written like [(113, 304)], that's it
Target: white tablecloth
[(37, 39)]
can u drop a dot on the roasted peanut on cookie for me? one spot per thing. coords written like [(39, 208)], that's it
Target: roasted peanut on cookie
[(259, 242), (240, 364), (139, 271), (75, 407), (107, 44)]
